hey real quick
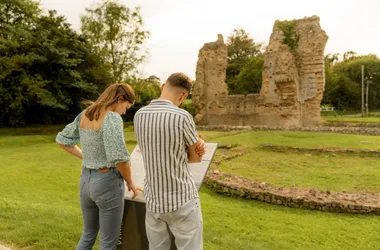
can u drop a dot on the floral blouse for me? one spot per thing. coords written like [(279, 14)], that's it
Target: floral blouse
[(101, 148)]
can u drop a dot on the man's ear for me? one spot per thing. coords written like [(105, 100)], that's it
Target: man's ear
[(183, 96), (162, 87)]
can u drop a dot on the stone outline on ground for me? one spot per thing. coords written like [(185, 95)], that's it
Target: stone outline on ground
[(349, 151), (310, 198), (362, 130)]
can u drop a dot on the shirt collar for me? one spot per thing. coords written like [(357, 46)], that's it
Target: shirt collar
[(161, 101)]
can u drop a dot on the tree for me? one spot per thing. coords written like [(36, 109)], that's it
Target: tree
[(18, 12), (331, 59), (117, 36), (349, 55), (71, 71), (241, 48), (343, 87), (16, 24), (145, 90), (331, 78), (46, 69), (250, 76)]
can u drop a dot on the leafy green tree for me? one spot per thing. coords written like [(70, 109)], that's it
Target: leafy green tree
[(117, 36), (331, 78), (46, 69), (343, 87), (72, 72), (241, 49), (21, 13), (250, 76), (241, 46), (16, 19), (145, 90), (349, 55)]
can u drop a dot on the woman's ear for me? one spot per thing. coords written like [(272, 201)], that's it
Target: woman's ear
[(120, 99)]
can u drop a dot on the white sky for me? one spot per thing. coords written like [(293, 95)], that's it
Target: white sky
[(179, 28)]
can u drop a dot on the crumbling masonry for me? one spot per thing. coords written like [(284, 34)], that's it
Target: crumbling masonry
[(292, 87)]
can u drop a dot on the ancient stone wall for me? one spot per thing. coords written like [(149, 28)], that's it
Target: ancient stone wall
[(293, 80), (345, 202), (210, 90)]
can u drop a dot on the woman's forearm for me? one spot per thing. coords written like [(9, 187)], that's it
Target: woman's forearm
[(76, 151), (125, 171)]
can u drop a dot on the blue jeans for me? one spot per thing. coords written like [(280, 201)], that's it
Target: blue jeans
[(102, 203)]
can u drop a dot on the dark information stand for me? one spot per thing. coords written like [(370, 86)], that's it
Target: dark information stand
[(133, 235)]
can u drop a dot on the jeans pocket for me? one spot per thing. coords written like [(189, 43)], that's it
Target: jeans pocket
[(104, 182), (188, 217), (151, 220), (108, 195)]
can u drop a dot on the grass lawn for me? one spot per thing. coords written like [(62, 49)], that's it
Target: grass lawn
[(39, 207), (351, 117), (325, 171), (335, 173), (348, 119), (253, 139)]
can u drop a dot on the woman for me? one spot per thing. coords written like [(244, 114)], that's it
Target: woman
[(106, 162)]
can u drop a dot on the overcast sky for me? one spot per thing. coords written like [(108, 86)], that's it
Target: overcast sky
[(179, 28)]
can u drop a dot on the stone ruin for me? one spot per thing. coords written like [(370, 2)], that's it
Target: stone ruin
[(292, 87), (310, 198)]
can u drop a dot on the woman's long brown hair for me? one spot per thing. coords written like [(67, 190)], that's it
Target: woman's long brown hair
[(110, 96)]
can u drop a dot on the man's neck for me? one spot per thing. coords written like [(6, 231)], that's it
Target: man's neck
[(170, 98)]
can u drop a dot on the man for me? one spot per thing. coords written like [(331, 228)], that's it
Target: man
[(168, 141)]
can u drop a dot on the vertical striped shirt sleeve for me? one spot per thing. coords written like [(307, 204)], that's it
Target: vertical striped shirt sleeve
[(190, 132)]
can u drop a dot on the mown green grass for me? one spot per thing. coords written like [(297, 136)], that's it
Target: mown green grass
[(335, 172), (349, 119), (39, 207), (322, 170), (253, 139), (233, 223)]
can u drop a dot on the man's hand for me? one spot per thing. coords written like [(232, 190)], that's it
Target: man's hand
[(132, 187), (201, 148)]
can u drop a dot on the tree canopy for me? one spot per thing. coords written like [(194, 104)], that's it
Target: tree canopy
[(245, 63), (343, 87), (47, 69), (117, 36)]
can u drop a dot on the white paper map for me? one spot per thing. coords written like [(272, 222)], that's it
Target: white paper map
[(198, 170)]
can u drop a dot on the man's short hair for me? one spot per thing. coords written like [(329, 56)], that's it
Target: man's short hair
[(180, 80)]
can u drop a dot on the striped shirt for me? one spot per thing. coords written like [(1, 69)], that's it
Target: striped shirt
[(163, 132)]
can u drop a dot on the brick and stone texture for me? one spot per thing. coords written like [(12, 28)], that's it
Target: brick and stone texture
[(292, 88)]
